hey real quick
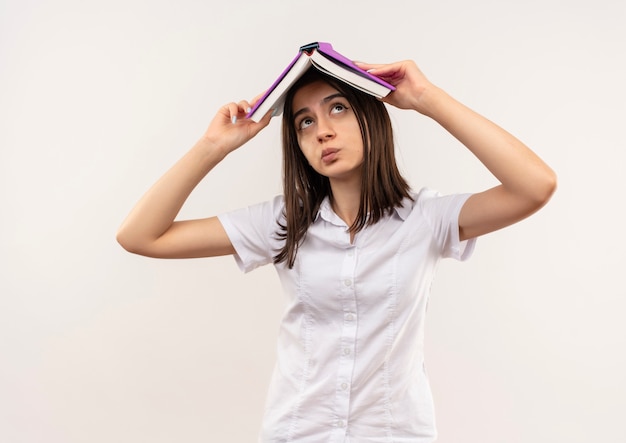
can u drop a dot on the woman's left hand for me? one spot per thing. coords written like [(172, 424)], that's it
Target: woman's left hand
[(411, 84), (527, 183)]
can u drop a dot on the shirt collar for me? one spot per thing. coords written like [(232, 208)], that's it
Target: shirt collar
[(405, 209), (326, 211)]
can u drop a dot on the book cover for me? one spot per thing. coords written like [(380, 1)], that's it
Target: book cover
[(323, 57), (327, 49)]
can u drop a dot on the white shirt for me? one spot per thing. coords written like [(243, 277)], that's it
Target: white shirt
[(350, 361)]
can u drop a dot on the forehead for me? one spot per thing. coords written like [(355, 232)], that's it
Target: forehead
[(312, 94)]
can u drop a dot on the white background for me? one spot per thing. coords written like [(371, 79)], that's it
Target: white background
[(525, 342)]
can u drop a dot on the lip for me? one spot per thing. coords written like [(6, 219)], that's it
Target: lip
[(329, 154)]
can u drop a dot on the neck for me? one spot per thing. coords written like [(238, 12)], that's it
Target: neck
[(345, 200)]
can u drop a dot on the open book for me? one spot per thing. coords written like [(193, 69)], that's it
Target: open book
[(323, 57)]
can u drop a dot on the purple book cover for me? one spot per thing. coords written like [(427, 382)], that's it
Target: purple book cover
[(326, 50), (276, 82)]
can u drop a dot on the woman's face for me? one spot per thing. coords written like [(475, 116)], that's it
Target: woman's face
[(328, 132)]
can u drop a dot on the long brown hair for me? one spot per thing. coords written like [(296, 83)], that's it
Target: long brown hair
[(383, 187)]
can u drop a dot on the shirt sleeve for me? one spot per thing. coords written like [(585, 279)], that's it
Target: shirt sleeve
[(252, 232), (442, 213)]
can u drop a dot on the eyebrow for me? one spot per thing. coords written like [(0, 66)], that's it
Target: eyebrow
[(323, 101)]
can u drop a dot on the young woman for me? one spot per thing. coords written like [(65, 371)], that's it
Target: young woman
[(355, 248)]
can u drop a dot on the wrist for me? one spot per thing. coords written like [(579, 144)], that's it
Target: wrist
[(212, 148), (430, 101)]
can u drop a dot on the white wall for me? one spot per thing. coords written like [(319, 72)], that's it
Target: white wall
[(525, 343)]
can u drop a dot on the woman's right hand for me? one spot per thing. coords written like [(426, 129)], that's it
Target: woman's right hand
[(229, 129), (150, 229)]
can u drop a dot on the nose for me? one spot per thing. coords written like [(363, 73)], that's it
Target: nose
[(325, 129)]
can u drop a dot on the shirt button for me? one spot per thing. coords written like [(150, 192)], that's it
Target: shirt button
[(350, 317), (344, 386), (341, 423), (347, 282), (347, 351), (350, 253)]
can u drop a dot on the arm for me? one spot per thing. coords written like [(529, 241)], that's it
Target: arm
[(526, 182), (150, 228)]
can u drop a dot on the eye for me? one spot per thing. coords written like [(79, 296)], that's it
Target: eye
[(305, 123), (338, 108)]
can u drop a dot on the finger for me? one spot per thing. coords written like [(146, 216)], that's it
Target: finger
[(388, 72), (237, 110), (233, 111), (371, 66), (244, 106), (385, 70), (257, 98), (256, 127), (265, 120)]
